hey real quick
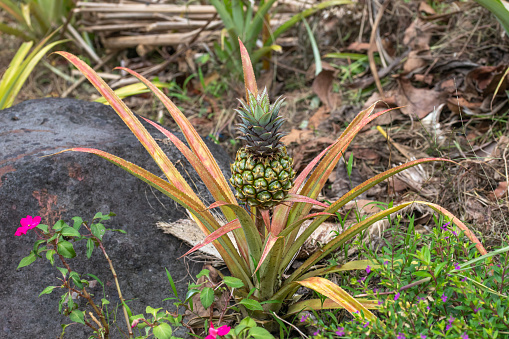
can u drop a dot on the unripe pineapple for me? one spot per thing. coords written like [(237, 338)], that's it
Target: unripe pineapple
[(262, 173)]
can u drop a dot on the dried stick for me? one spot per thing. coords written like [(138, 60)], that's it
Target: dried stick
[(372, 46)]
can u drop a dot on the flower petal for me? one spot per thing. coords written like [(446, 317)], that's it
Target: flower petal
[(223, 330), (35, 221)]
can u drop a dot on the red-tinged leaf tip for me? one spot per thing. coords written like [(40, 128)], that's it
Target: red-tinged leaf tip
[(249, 77), (271, 240), (232, 225), (266, 218), (302, 198)]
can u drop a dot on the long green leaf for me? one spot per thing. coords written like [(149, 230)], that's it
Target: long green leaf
[(497, 8), (349, 196), (13, 31), (13, 70), (11, 8), (26, 68)]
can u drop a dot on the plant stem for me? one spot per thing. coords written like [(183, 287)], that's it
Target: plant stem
[(126, 316)]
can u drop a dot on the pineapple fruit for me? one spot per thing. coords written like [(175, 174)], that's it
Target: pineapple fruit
[(262, 173)]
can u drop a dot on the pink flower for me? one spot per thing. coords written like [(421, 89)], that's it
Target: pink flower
[(30, 222), (213, 333), (27, 224), (444, 298), (396, 296), (340, 331), (368, 269)]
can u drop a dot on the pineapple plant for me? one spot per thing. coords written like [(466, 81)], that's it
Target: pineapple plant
[(262, 173)]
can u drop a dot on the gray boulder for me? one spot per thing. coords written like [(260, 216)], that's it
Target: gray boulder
[(78, 184)]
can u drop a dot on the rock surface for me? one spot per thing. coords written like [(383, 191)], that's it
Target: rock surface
[(78, 184)]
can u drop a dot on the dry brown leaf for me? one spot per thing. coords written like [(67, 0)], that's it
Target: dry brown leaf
[(416, 59), (365, 206), (298, 136), (426, 78), (417, 101), (359, 46), (322, 86), (499, 192), (426, 8), (321, 115), (485, 79), (418, 33), (456, 104)]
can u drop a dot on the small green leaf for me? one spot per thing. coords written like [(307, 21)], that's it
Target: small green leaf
[(77, 223), (101, 216), (90, 247), (439, 268), (70, 232), (66, 249), (77, 316), (76, 279), (248, 321), (260, 333), (105, 301), (118, 230), (64, 271), (349, 165), (191, 293), (207, 297), (49, 256), (251, 304), (172, 283), (48, 290), (59, 225), (423, 274), (152, 311), (233, 282), (27, 260), (43, 228), (202, 273), (162, 331), (38, 243), (98, 230)]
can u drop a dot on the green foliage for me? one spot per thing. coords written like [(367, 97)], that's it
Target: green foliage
[(20, 67), (499, 9), (35, 18), (430, 286), (241, 20)]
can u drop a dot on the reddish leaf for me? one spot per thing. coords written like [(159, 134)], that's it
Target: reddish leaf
[(195, 142), (302, 198), (249, 77), (269, 243), (134, 125), (232, 225)]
